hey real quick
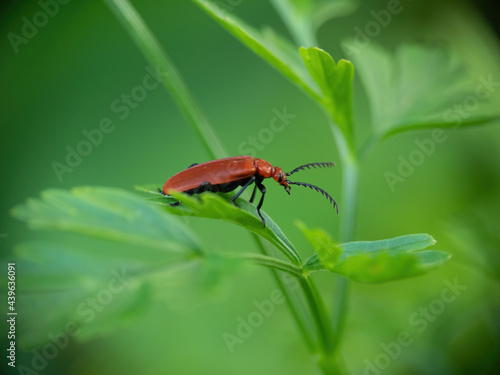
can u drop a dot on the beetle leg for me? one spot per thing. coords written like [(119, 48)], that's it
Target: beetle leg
[(248, 183), (253, 193), (192, 165), (262, 189)]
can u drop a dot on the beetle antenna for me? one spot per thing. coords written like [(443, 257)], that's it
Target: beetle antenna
[(313, 165), (319, 190)]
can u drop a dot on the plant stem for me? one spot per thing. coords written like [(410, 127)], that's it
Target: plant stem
[(350, 176), (299, 320), (327, 359), (167, 72), (267, 261)]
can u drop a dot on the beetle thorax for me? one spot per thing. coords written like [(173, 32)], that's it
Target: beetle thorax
[(264, 168)]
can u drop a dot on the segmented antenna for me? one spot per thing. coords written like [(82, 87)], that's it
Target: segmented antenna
[(319, 190), (313, 165)]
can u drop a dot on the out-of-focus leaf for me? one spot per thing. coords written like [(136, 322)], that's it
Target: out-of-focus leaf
[(304, 17), (94, 266), (215, 206), (325, 10), (275, 50), (477, 239), (66, 285), (190, 285), (109, 214), (373, 261), (421, 87), (335, 81)]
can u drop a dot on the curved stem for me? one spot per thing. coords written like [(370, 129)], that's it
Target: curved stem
[(167, 73)]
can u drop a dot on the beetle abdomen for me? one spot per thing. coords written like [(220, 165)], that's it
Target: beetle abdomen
[(222, 175)]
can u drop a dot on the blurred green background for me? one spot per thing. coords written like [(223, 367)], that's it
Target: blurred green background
[(65, 79)]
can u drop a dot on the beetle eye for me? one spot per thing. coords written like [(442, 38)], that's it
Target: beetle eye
[(280, 178)]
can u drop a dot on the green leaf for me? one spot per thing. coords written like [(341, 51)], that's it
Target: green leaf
[(373, 261), (99, 251), (304, 17), (106, 213), (215, 206), (325, 10), (335, 81), (98, 294), (419, 87), (322, 243), (297, 16), (275, 50)]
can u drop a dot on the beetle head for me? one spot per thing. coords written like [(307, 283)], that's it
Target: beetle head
[(280, 177)]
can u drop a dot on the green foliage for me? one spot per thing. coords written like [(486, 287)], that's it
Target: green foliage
[(304, 17), (216, 206), (106, 256), (103, 241), (275, 50), (98, 237), (109, 214), (399, 88), (331, 84), (373, 261), (335, 81)]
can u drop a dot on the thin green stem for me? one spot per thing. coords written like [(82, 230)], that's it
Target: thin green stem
[(327, 360), (299, 320), (167, 72), (267, 261), (350, 172), (318, 314)]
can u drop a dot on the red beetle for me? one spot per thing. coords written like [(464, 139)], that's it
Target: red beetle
[(224, 175)]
